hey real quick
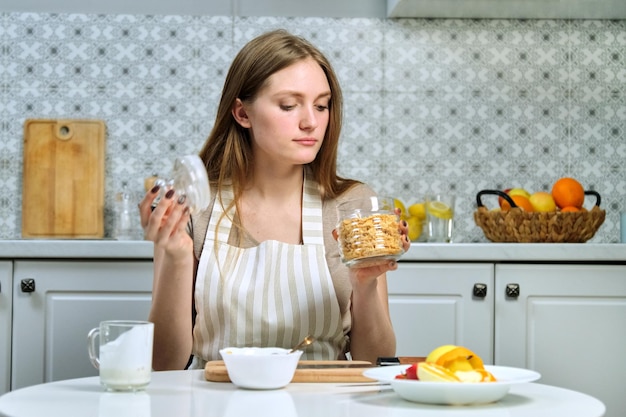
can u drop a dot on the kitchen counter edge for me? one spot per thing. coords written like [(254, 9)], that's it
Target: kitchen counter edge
[(76, 249), (517, 252), (419, 252)]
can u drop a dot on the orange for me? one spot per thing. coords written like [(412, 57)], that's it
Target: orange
[(520, 201), (568, 192), (570, 209), (460, 359)]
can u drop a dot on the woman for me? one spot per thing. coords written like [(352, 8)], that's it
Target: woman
[(262, 265)]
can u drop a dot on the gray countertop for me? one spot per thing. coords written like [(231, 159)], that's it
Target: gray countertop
[(75, 249), (517, 252), (422, 252)]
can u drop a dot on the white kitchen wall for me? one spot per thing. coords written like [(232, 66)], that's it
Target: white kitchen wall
[(431, 104)]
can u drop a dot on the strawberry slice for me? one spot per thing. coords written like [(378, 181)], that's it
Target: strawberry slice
[(411, 372)]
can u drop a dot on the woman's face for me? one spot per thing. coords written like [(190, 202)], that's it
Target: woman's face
[(289, 116)]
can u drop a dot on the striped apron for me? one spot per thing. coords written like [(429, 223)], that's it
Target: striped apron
[(273, 294)]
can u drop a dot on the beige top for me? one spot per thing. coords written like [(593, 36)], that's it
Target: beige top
[(338, 271)]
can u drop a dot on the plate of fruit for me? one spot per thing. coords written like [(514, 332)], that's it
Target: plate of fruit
[(451, 375)]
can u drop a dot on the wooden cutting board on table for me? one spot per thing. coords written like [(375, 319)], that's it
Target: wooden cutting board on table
[(307, 371), (63, 180)]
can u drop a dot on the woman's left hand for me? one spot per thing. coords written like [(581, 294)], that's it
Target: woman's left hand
[(403, 226)]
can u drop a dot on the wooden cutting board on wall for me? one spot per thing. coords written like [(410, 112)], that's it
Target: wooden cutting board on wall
[(63, 180)]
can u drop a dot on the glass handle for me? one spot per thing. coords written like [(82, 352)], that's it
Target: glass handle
[(91, 346)]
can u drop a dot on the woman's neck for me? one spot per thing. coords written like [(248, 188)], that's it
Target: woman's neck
[(273, 183), (270, 207)]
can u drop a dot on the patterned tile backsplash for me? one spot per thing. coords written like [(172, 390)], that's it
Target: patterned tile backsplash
[(432, 105)]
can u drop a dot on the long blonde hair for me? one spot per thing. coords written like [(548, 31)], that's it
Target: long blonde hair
[(227, 152)]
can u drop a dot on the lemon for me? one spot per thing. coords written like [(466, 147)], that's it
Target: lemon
[(418, 210), (415, 228), (399, 204), (436, 353), (439, 210)]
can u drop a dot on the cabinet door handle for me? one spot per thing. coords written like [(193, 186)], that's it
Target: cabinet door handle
[(28, 285), (512, 290), (480, 290)]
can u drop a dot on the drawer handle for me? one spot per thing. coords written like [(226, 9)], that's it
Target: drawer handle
[(480, 290), (512, 290), (28, 285)]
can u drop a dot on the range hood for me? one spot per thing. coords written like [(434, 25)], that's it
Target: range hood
[(508, 9)]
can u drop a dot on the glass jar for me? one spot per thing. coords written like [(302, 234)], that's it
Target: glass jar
[(368, 232), (127, 217), (189, 179)]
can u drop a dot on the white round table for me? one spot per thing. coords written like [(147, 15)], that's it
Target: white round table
[(188, 394)]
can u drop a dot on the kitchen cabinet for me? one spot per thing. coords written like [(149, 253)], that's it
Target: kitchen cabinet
[(508, 9), (442, 303), (57, 302), (6, 311), (566, 321)]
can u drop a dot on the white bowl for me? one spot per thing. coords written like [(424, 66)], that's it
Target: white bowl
[(260, 368)]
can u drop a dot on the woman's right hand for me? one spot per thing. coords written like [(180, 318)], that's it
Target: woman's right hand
[(172, 288), (166, 223), (145, 208)]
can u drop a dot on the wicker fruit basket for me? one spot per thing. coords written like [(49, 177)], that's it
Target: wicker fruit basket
[(517, 225)]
